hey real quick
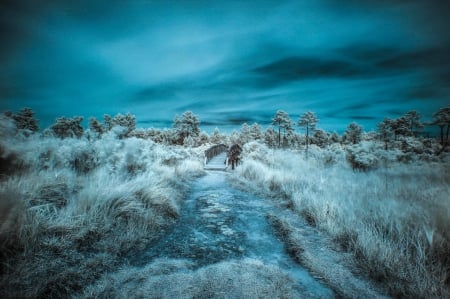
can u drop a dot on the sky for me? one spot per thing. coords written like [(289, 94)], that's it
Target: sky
[(229, 62)]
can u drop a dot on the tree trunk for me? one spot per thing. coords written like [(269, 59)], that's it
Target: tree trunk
[(307, 137), (279, 135), (446, 137), (442, 134)]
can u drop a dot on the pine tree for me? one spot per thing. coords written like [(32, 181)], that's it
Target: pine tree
[(282, 121), (270, 137), (400, 127), (353, 133), (413, 118), (256, 132), (320, 138), (186, 125), (441, 118), (216, 138), (25, 120), (309, 121), (385, 131), (244, 134), (65, 127)]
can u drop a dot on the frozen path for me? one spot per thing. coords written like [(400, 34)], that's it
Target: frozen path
[(219, 223)]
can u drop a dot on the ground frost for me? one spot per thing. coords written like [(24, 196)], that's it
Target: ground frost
[(219, 223)]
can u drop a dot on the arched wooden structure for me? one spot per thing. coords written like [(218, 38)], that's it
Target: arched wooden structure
[(216, 157)]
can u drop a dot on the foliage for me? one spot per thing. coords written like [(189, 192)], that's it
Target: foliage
[(353, 133), (392, 220), (25, 120), (270, 137), (282, 121), (320, 138), (79, 206), (441, 118), (186, 125), (308, 120), (126, 122), (65, 127)]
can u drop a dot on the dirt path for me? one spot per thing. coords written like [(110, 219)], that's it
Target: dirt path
[(220, 223)]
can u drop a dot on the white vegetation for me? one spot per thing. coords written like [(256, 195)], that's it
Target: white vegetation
[(246, 278), (394, 219), (70, 208), (73, 202)]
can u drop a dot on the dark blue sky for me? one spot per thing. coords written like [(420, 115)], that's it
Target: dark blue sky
[(230, 62)]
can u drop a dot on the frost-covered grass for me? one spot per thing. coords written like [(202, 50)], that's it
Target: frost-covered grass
[(176, 279), (70, 209), (394, 217)]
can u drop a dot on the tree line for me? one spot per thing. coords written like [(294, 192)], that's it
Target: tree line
[(186, 129)]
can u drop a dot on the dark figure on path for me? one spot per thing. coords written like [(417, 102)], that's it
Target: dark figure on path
[(234, 155)]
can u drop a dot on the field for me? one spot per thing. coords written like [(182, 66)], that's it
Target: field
[(393, 219), (73, 210)]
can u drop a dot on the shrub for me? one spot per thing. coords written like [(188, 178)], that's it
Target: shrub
[(24, 120), (68, 127)]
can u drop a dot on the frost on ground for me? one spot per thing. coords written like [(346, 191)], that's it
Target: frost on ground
[(171, 278), (392, 215), (105, 214), (71, 208), (219, 224)]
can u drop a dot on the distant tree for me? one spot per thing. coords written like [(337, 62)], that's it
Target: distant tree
[(108, 122), (235, 137), (186, 125), (334, 138), (308, 120), (413, 118), (353, 133), (65, 127), (320, 138), (96, 126), (216, 138), (24, 120), (203, 138), (385, 131), (282, 121), (127, 121), (441, 118), (400, 127), (256, 132), (244, 134), (189, 141), (270, 137)]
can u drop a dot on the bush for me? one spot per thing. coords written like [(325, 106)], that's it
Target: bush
[(68, 127), (24, 120)]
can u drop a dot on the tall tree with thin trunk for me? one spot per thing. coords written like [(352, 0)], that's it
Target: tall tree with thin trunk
[(441, 118), (308, 120), (413, 118), (282, 121), (385, 131)]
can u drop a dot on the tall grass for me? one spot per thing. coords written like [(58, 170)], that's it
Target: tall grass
[(394, 219), (75, 207)]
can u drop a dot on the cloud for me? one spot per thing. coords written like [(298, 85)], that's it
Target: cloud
[(227, 61), (296, 68)]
